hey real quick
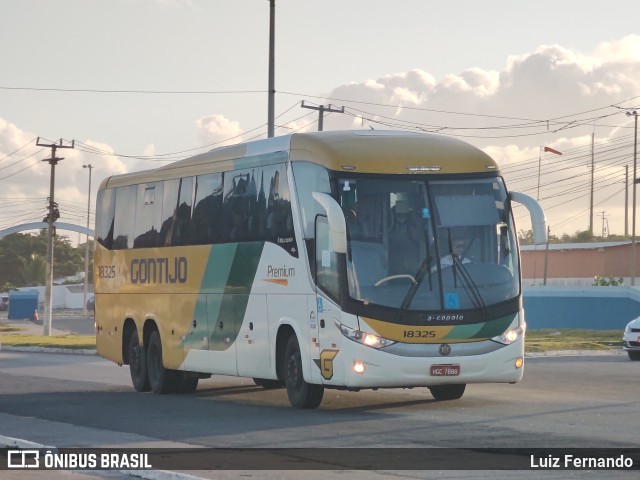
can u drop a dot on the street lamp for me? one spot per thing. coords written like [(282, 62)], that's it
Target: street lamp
[(86, 251), (634, 113)]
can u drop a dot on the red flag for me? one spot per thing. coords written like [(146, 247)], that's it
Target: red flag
[(552, 150)]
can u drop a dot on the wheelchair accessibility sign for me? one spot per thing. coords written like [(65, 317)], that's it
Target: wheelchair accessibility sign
[(451, 300)]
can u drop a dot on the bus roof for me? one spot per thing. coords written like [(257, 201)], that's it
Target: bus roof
[(372, 151), (361, 151)]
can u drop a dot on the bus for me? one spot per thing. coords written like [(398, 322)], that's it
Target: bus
[(341, 259)]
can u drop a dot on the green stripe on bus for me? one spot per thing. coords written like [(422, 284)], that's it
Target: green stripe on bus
[(227, 281), (489, 329), (464, 331), (495, 327)]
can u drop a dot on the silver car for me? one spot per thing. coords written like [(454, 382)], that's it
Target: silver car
[(631, 339)]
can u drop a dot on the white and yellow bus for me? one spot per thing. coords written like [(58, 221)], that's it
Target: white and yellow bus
[(349, 260)]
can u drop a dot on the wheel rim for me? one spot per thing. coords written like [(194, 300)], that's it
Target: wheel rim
[(293, 371), (136, 359), (152, 359)]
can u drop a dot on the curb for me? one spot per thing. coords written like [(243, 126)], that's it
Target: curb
[(68, 351), (573, 353), (86, 351)]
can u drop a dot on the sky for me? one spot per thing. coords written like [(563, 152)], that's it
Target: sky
[(138, 83)]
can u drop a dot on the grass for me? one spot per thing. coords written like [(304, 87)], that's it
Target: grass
[(13, 336), (545, 340), (60, 341), (535, 341)]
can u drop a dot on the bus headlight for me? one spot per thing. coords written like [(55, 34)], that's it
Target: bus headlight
[(368, 339), (510, 336)]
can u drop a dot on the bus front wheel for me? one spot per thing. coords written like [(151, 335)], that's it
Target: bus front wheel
[(301, 394), (138, 364), (162, 380), (447, 392)]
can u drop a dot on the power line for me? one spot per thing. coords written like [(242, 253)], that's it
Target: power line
[(16, 151), (321, 110), (130, 91)]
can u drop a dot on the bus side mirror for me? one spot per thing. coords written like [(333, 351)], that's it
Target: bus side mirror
[(335, 217), (538, 219)]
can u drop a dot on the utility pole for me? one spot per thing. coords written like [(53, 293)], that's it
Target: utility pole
[(86, 250), (634, 114), (626, 200), (272, 82), (321, 109), (603, 222), (53, 161), (593, 167), (546, 257)]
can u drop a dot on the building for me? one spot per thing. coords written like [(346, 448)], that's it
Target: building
[(578, 263)]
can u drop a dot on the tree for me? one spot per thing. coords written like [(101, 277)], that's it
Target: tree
[(525, 237), (23, 259), (35, 270)]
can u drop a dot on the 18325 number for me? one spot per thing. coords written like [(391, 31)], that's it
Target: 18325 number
[(106, 271), (419, 334)]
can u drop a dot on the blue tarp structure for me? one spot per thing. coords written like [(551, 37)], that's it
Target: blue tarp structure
[(22, 304)]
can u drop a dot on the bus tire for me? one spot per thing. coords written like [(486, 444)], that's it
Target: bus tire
[(301, 394), (633, 355), (447, 392), (162, 380), (137, 356), (268, 384)]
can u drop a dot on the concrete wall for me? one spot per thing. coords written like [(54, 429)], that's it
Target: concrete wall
[(63, 296), (598, 308), (578, 264)]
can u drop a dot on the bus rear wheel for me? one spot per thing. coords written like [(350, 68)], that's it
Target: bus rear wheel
[(447, 392), (162, 380), (137, 355), (301, 394)]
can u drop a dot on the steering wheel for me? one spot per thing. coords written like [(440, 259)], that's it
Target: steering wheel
[(395, 277)]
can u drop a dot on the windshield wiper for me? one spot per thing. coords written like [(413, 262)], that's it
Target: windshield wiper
[(469, 285), (419, 277)]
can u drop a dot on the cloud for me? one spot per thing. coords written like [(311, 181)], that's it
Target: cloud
[(550, 82), (25, 177), (539, 98), (217, 130), (492, 109)]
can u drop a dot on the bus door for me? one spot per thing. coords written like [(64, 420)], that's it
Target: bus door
[(328, 313)]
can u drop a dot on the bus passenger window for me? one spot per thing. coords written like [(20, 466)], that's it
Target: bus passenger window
[(279, 219), (148, 215), (207, 209), (105, 214), (124, 223), (181, 234)]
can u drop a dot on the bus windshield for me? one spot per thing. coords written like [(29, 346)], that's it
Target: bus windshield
[(418, 244)]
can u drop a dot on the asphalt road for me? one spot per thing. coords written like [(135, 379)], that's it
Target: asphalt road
[(84, 401)]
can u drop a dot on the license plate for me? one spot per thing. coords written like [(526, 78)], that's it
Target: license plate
[(445, 370)]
